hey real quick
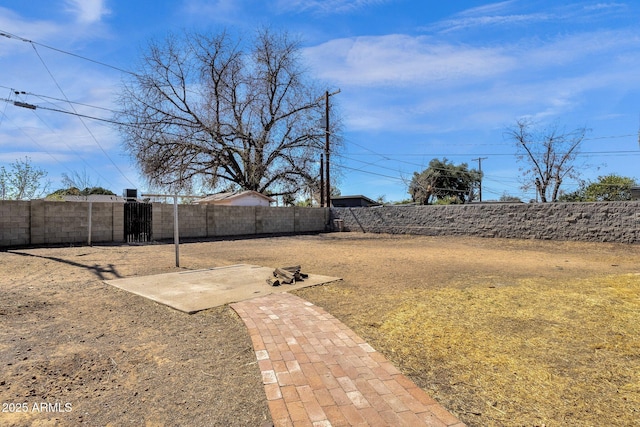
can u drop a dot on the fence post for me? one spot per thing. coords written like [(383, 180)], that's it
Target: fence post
[(176, 236), (89, 233)]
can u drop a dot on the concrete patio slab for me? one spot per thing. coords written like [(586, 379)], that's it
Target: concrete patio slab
[(196, 290)]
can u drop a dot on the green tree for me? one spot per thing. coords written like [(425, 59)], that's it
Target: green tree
[(578, 195), (22, 181), (74, 191), (444, 183), (608, 188), (548, 155)]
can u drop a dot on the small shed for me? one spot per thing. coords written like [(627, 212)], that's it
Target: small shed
[(635, 193), (358, 201), (242, 198)]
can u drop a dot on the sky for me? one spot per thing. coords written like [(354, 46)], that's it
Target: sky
[(418, 80)]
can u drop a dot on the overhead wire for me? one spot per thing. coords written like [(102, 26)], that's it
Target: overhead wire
[(385, 157), (37, 143), (66, 99), (104, 64), (80, 118), (4, 111), (104, 180)]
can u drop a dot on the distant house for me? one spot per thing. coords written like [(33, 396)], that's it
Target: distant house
[(635, 193), (358, 201), (243, 198)]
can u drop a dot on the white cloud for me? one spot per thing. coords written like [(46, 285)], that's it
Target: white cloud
[(216, 8), (437, 82), (464, 23), (490, 8), (605, 6), (88, 11), (326, 6), (29, 29), (494, 14), (508, 13), (398, 60)]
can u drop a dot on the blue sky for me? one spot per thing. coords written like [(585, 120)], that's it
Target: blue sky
[(418, 79)]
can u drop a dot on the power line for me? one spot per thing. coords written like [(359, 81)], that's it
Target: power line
[(372, 173), (361, 170), (57, 110), (384, 156), (448, 155), (16, 37), (36, 142), (80, 118)]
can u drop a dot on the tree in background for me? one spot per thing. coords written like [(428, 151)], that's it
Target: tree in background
[(549, 156), (210, 109), (75, 191), (608, 188), (444, 182), (22, 181), (78, 180), (507, 198), (310, 196), (78, 184)]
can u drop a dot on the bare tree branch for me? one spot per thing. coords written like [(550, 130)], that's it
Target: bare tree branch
[(549, 156), (215, 109)]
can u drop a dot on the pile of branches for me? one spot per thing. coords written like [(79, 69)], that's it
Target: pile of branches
[(286, 275)]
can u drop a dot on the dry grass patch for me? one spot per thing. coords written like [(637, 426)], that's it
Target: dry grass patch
[(532, 353), (501, 332)]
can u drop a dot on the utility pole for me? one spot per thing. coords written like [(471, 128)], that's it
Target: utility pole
[(479, 160), (327, 181), (321, 180)]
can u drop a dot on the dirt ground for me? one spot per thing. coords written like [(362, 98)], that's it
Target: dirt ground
[(75, 351)]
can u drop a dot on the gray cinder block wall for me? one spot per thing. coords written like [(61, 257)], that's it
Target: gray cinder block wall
[(596, 222), (15, 223), (197, 221), (39, 222)]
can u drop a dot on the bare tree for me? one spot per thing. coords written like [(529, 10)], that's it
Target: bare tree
[(549, 156), (23, 181), (210, 110), (79, 180)]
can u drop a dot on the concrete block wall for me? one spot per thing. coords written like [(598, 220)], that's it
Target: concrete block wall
[(117, 221), (234, 220), (275, 220), (68, 222), (15, 223), (162, 221), (39, 222), (597, 222), (307, 219), (65, 222), (199, 221), (193, 220)]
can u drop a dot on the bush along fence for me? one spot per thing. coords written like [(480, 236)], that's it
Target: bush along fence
[(596, 222), (39, 222)]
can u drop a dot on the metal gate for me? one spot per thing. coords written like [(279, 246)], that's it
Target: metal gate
[(137, 222)]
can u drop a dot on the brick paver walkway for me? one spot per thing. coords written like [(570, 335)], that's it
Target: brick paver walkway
[(317, 372)]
